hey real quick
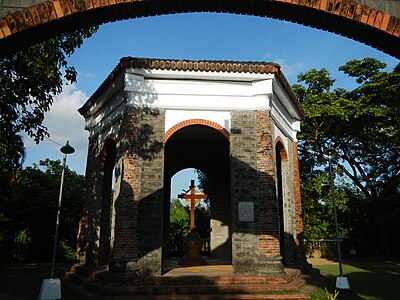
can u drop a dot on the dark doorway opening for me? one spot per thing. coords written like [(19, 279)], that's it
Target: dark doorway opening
[(108, 156), (278, 152), (206, 149)]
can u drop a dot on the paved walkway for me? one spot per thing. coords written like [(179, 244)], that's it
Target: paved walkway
[(321, 261)]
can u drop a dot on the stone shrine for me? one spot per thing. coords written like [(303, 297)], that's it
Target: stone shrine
[(235, 121)]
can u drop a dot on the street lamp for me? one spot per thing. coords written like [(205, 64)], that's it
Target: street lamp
[(341, 281), (51, 288)]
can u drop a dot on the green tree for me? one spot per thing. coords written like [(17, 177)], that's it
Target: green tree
[(179, 226), (33, 208), (29, 80), (363, 125)]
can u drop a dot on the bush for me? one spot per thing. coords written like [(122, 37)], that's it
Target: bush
[(22, 243), (66, 253)]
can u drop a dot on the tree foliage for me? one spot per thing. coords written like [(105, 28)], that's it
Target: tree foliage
[(179, 226), (29, 80), (32, 211), (363, 125)]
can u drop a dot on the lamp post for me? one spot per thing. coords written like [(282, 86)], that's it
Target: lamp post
[(341, 281), (51, 288)]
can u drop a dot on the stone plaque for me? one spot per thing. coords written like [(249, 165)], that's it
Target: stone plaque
[(246, 211)]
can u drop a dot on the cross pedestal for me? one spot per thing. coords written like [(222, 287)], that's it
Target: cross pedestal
[(193, 242)]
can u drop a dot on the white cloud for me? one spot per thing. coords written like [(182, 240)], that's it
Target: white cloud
[(89, 75), (64, 123), (289, 69)]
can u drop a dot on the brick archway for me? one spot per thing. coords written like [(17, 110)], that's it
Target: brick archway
[(368, 25), (190, 122), (103, 149), (279, 145)]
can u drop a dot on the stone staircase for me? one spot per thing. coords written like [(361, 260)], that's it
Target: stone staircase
[(101, 284)]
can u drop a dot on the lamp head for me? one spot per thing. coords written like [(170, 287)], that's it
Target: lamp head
[(330, 153), (67, 149)]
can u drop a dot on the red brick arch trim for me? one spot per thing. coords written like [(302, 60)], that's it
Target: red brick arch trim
[(27, 26), (282, 149), (191, 122)]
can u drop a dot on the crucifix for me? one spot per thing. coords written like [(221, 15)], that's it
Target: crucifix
[(192, 198)]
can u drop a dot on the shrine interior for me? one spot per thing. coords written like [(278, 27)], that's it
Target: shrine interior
[(207, 150)]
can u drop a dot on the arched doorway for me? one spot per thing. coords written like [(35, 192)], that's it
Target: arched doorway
[(180, 212), (207, 149), (280, 156), (108, 156), (286, 203)]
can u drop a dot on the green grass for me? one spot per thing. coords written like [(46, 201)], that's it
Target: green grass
[(377, 280), (23, 281)]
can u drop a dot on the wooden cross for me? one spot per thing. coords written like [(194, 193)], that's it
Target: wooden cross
[(194, 197)]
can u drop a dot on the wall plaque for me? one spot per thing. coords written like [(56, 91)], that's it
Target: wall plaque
[(246, 211)]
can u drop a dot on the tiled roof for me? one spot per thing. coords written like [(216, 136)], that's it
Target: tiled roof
[(200, 65), (194, 66)]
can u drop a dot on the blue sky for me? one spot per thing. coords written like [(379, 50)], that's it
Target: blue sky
[(200, 36)]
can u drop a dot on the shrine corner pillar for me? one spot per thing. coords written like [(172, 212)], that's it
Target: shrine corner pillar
[(125, 256), (255, 214), (138, 232), (89, 225), (301, 259), (244, 192), (269, 257), (255, 238)]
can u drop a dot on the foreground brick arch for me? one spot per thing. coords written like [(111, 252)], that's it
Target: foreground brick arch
[(352, 19)]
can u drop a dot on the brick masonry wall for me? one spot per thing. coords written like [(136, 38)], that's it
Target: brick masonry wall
[(268, 220), (126, 243), (244, 188), (83, 234), (297, 195), (151, 213), (138, 234), (289, 207)]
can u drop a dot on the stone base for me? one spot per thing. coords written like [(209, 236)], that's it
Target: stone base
[(192, 255), (125, 265), (244, 266), (270, 266), (144, 266)]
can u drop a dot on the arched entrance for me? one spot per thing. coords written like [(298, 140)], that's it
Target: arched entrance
[(204, 148), (285, 180), (108, 156), (280, 158)]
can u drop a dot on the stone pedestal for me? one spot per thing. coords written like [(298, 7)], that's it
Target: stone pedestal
[(192, 245), (130, 266), (270, 266)]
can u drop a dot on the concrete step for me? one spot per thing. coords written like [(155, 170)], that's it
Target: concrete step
[(282, 296), (100, 284)]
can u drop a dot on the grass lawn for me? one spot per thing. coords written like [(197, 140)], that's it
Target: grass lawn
[(23, 281), (369, 280)]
